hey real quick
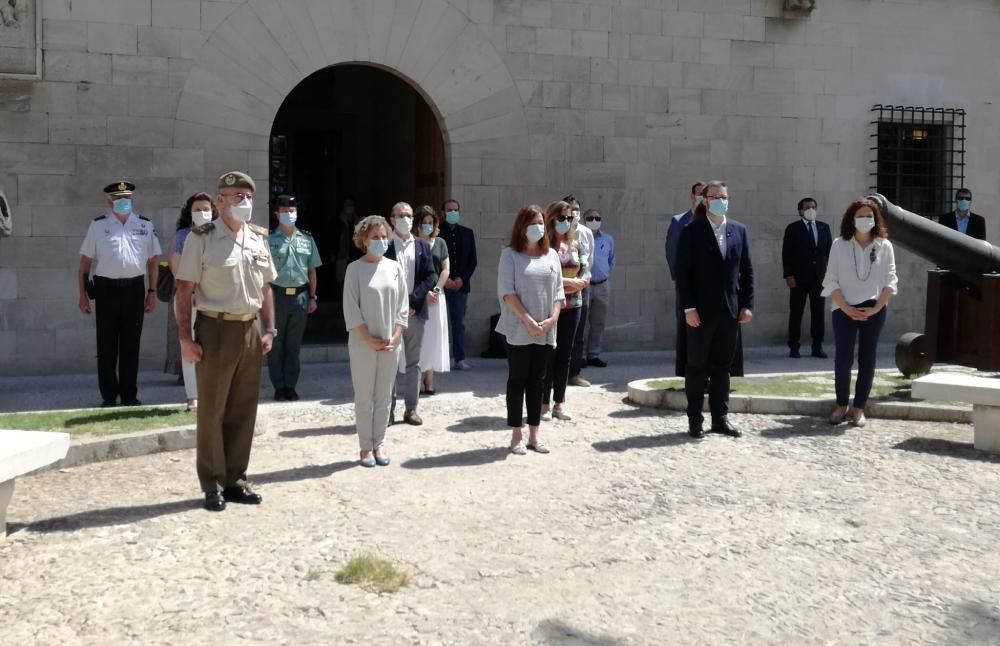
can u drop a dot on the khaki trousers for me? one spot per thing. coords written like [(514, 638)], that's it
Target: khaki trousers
[(373, 374), (228, 389)]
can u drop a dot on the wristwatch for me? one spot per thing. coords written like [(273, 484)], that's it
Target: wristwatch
[(150, 291), (312, 297), (273, 331)]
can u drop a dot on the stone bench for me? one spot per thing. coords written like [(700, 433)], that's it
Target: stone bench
[(22, 452), (982, 392)]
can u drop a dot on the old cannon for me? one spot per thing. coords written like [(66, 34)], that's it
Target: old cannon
[(962, 321)]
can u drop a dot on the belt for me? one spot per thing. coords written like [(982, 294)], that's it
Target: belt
[(226, 316), (290, 291), (598, 282), (119, 282)]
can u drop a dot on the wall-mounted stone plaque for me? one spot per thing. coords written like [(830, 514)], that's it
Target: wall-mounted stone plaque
[(20, 32)]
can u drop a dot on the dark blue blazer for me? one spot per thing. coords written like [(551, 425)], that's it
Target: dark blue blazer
[(801, 256), (462, 258), (706, 281), (424, 277), (677, 224)]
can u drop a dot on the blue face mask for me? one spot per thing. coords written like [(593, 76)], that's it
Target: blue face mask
[(718, 207), (288, 218), (452, 217), (426, 229), (378, 248), (123, 205), (697, 200), (535, 232), (964, 205), (563, 227)]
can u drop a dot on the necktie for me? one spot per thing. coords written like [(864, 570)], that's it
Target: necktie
[(812, 233)]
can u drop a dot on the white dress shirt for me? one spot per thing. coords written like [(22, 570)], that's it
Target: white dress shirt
[(120, 250), (860, 273), (720, 234), (406, 256)]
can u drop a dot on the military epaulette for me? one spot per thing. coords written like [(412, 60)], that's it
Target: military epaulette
[(305, 232), (143, 217), (259, 230), (203, 229), (100, 217)]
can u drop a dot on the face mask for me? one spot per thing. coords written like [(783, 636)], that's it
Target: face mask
[(288, 218), (809, 214), (576, 214), (123, 205), (243, 210), (563, 227), (593, 225), (378, 248), (452, 217), (864, 225), (427, 229), (535, 232), (200, 218), (718, 207), (697, 199), (404, 225), (964, 205)]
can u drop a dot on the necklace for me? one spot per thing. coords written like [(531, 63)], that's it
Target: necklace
[(871, 265)]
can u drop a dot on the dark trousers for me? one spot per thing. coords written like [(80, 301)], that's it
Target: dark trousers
[(119, 305), (290, 318), (710, 350), (796, 306), (228, 389), (457, 302), (680, 355), (867, 333), (557, 373), (579, 345), (526, 366)]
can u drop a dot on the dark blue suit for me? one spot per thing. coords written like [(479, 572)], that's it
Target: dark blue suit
[(804, 257), (462, 262), (718, 288)]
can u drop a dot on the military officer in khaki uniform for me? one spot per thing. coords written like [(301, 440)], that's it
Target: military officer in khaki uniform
[(226, 265)]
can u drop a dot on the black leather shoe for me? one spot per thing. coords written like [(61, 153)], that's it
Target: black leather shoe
[(794, 354), (214, 501), (818, 353), (109, 403), (291, 394), (131, 402), (695, 430), (241, 495), (280, 395), (724, 426), (596, 362)]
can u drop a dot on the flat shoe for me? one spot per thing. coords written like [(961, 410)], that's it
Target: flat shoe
[(547, 416), (368, 463), (518, 449), (382, 461), (558, 414), (538, 447), (838, 419), (859, 421)]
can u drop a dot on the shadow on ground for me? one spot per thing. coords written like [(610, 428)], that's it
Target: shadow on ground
[(786, 428), (643, 442), (471, 458), (946, 448), (553, 631), (309, 472), (318, 432), (480, 423)]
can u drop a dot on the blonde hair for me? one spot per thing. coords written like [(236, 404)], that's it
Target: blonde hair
[(363, 228)]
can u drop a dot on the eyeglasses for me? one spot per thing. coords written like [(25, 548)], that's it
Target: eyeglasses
[(564, 218), (593, 218)]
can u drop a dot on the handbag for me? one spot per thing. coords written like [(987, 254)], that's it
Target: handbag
[(165, 283)]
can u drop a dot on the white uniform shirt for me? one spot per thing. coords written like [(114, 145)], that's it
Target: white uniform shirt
[(860, 273), (406, 256), (120, 250)]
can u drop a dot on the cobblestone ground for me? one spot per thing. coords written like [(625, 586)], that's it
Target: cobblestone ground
[(627, 533)]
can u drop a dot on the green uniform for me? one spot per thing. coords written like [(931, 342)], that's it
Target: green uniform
[(293, 258)]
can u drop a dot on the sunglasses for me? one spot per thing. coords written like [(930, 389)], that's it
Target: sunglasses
[(564, 218), (593, 218)]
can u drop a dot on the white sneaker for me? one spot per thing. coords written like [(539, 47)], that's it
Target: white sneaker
[(463, 365), (547, 416)]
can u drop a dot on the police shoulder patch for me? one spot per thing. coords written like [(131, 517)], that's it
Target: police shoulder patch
[(143, 217), (203, 229)]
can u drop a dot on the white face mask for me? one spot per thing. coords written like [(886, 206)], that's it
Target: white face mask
[(404, 225), (809, 214), (864, 225), (243, 210), (200, 218), (576, 214)]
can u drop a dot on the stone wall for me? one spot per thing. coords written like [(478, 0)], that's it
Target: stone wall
[(624, 102)]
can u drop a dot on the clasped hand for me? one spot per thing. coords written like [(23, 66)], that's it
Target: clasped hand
[(381, 345), (860, 313), (538, 328)]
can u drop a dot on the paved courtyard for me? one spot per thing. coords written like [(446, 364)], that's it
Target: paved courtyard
[(627, 533)]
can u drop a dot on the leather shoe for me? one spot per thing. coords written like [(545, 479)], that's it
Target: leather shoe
[(695, 430), (411, 418), (819, 354), (131, 402), (794, 354), (109, 403), (241, 495), (291, 395), (214, 501), (279, 395), (597, 362), (724, 426)]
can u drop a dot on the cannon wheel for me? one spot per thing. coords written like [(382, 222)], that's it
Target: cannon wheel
[(913, 354)]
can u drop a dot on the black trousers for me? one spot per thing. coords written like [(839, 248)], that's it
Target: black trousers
[(710, 350), (577, 360), (557, 373), (680, 353), (119, 312), (526, 366), (796, 306)]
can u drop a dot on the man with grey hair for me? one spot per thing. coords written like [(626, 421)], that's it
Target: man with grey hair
[(601, 264), (414, 255)]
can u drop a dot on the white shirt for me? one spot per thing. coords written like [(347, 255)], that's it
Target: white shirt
[(585, 238), (860, 273), (720, 235), (406, 256), (811, 227), (120, 250)]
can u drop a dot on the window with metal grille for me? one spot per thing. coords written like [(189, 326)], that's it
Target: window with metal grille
[(919, 156)]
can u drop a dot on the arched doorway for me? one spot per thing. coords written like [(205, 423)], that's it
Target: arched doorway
[(355, 132)]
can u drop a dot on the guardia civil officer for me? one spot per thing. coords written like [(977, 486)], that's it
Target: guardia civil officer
[(296, 258), (119, 250), (226, 265)]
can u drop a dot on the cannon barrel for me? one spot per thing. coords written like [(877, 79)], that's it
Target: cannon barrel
[(967, 258)]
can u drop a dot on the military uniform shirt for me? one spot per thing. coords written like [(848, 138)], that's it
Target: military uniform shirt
[(293, 257), (230, 274), (120, 250)]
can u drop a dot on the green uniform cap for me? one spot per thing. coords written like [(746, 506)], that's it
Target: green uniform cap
[(237, 179)]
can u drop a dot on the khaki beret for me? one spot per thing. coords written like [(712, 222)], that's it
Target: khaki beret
[(237, 179)]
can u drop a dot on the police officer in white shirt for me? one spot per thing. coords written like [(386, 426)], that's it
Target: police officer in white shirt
[(119, 250)]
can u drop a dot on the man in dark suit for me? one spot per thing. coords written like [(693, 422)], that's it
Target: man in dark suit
[(804, 252), (963, 219), (677, 224), (414, 255), (462, 261), (715, 285)]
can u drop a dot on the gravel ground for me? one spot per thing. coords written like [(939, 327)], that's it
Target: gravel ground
[(627, 533)]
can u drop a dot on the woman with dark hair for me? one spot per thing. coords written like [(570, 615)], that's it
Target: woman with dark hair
[(435, 347), (530, 287), (860, 280), (576, 276), (198, 210)]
